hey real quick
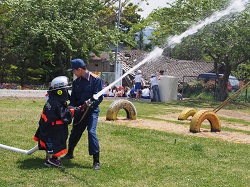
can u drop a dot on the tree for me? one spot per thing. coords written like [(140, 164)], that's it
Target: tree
[(243, 71), (50, 33), (130, 17), (4, 50), (44, 35), (226, 42)]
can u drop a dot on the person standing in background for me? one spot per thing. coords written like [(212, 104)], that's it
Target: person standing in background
[(138, 84), (161, 74), (106, 84), (155, 87)]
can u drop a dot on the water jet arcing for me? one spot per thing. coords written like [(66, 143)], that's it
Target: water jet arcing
[(156, 53), (235, 6)]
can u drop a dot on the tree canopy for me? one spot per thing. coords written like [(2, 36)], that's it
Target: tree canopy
[(44, 35), (225, 42)]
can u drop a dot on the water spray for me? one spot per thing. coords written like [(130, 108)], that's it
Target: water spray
[(156, 53), (235, 6)]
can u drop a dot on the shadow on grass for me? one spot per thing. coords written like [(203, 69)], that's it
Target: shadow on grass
[(34, 163), (68, 168)]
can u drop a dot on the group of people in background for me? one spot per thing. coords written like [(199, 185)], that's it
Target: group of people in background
[(140, 90), (116, 91)]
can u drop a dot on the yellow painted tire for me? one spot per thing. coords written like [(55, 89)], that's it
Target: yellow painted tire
[(186, 113), (202, 115), (118, 105)]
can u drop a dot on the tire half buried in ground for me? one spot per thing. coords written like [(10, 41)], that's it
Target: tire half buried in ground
[(186, 113), (121, 104), (202, 115)]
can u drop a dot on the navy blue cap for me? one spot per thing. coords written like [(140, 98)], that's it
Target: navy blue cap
[(76, 63)]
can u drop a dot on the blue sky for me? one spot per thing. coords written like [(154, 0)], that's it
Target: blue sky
[(153, 4)]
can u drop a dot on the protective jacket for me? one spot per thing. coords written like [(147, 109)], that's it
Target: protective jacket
[(52, 132)]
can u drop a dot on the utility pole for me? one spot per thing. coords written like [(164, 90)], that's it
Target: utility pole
[(117, 65)]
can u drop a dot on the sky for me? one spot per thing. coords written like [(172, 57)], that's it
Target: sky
[(153, 4)]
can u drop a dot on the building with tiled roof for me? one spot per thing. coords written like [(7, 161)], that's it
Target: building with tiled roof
[(182, 69), (188, 70)]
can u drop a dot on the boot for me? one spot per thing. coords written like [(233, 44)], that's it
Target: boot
[(69, 155), (96, 163)]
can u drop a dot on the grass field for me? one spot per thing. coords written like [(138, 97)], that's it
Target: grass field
[(130, 157)]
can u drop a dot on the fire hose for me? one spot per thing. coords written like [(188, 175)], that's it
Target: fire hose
[(26, 152), (88, 104)]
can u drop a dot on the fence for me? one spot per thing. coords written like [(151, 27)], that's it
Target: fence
[(190, 86)]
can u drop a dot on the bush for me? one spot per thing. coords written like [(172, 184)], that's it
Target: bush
[(196, 88)]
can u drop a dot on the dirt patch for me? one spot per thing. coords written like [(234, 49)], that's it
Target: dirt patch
[(237, 137), (163, 125)]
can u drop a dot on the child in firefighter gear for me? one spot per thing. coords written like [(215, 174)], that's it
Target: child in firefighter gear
[(52, 132), (83, 88)]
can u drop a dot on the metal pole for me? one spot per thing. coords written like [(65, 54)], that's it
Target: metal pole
[(231, 98), (182, 90), (118, 28)]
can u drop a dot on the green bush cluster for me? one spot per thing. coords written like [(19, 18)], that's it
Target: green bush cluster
[(200, 89), (208, 90)]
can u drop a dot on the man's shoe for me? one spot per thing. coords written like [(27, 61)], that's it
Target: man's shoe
[(55, 162), (96, 166), (68, 156)]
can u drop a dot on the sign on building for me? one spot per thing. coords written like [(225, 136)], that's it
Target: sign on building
[(118, 72)]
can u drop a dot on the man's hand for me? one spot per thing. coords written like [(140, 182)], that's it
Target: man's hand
[(85, 105), (88, 102)]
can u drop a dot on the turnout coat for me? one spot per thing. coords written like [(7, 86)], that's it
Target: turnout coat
[(52, 132)]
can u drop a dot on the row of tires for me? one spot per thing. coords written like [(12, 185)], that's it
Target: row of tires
[(197, 116)]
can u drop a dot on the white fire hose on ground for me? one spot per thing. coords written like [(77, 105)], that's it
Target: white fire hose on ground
[(26, 152)]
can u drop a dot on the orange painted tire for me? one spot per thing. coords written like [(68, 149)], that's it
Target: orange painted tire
[(202, 115), (186, 113), (118, 105)]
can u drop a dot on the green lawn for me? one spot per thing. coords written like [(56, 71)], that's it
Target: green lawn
[(130, 157)]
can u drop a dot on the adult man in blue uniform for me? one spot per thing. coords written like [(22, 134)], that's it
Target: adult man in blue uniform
[(83, 88)]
